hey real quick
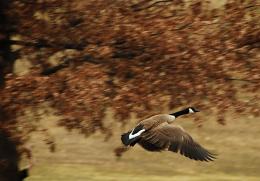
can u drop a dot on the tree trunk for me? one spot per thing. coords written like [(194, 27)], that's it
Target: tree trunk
[(7, 57), (9, 157)]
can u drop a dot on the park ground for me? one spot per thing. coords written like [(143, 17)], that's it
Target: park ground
[(79, 159)]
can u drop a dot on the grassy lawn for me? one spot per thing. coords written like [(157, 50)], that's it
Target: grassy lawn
[(92, 159)]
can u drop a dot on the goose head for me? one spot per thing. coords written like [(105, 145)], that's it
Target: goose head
[(192, 110), (185, 111)]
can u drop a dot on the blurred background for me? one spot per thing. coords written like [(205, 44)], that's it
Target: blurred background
[(75, 75)]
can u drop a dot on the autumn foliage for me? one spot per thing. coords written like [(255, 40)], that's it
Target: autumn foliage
[(130, 56)]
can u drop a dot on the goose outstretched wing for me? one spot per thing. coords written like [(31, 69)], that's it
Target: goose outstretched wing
[(176, 139)]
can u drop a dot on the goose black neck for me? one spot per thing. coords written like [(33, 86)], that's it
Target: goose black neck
[(179, 113)]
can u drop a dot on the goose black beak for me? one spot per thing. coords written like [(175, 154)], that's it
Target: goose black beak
[(196, 110)]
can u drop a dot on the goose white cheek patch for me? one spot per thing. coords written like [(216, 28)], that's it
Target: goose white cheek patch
[(190, 110), (171, 117), (131, 136)]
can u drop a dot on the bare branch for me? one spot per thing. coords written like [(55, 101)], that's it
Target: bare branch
[(44, 44), (137, 7)]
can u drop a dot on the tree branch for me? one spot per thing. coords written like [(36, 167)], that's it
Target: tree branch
[(54, 69), (252, 6), (65, 63), (241, 80), (137, 8), (45, 44)]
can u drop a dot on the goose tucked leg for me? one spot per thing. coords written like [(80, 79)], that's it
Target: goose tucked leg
[(132, 137)]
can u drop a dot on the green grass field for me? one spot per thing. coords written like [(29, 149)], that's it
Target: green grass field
[(92, 159)]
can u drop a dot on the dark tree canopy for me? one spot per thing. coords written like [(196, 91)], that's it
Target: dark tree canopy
[(130, 56)]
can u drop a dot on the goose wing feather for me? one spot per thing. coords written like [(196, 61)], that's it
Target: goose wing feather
[(176, 139)]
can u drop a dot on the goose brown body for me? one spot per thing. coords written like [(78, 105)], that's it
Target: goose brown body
[(158, 134)]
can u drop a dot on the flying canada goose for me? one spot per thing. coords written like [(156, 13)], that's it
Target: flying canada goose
[(157, 134)]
